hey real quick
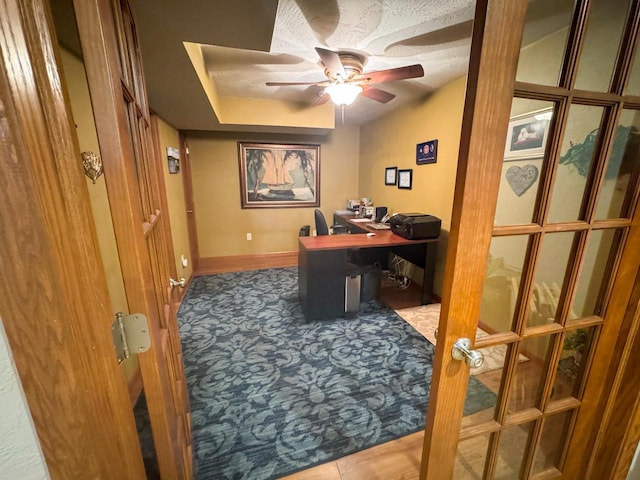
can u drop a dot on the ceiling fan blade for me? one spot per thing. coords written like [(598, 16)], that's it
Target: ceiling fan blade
[(286, 84), (392, 74), (376, 94), (324, 98), (332, 62)]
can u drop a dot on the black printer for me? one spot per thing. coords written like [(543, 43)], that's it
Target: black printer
[(415, 225)]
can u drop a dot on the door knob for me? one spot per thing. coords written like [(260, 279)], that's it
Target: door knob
[(462, 350), (177, 283)]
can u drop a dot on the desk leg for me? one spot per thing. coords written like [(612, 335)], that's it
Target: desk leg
[(321, 283), (429, 271)]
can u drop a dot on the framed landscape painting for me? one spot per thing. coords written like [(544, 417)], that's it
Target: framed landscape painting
[(279, 175)]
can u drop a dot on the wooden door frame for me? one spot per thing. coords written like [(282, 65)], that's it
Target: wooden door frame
[(54, 300), (187, 183), (619, 434), (156, 168), (481, 150), (99, 41), (493, 69), (174, 294)]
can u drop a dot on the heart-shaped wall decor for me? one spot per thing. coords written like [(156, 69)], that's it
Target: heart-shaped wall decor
[(521, 178)]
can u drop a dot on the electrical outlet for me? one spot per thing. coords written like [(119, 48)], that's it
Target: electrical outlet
[(249, 237)]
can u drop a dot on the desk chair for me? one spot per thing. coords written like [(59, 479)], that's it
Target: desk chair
[(305, 230), (321, 225)]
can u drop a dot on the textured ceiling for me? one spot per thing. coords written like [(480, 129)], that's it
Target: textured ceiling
[(246, 43), (389, 33)]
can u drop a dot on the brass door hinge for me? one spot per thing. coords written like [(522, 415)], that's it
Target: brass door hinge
[(130, 335)]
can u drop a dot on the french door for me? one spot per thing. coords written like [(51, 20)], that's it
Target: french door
[(543, 250), (140, 217)]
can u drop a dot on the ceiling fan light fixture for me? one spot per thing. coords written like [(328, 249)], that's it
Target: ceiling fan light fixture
[(343, 93)]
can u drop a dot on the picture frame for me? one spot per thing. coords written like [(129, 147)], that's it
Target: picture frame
[(390, 175), (527, 135), (276, 175), (405, 179), (427, 152), (173, 160)]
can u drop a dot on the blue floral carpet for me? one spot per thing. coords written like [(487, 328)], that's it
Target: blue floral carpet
[(272, 394)]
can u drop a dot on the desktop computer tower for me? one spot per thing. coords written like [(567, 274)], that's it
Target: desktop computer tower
[(361, 287)]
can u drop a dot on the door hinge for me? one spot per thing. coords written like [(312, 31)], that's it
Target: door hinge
[(130, 335)]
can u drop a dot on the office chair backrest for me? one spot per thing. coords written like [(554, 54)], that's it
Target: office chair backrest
[(305, 230), (321, 223)]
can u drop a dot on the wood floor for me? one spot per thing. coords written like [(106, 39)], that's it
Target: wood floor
[(400, 298), (399, 459)]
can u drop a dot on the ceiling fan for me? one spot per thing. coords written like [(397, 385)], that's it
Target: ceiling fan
[(346, 80)]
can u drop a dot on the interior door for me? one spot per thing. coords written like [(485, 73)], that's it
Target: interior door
[(140, 218), (54, 299), (543, 248)]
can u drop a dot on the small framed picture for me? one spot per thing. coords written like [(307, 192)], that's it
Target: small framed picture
[(427, 152), (527, 134), (405, 178), (173, 160), (390, 174)]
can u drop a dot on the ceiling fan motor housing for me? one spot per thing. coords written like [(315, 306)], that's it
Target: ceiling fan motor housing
[(352, 63)]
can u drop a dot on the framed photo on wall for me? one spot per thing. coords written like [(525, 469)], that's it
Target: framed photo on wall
[(279, 175), (390, 175), (173, 160), (405, 178), (527, 134), (427, 152)]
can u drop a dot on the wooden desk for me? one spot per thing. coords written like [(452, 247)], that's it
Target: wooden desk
[(354, 226), (322, 266)]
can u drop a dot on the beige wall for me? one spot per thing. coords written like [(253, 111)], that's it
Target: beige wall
[(88, 141), (391, 142), (169, 137), (353, 162), (223, 225)]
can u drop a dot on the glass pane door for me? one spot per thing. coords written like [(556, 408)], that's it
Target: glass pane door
[(563, 213)]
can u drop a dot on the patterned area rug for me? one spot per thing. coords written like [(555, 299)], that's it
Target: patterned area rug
[(425, 319), (272, 394)]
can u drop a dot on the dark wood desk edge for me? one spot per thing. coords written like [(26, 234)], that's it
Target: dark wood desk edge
[(359, 240), (363, 225)]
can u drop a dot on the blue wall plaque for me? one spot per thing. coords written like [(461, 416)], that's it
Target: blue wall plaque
[(427, 152)]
